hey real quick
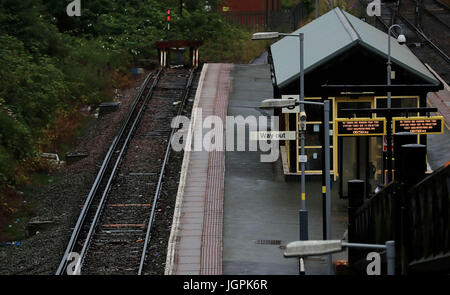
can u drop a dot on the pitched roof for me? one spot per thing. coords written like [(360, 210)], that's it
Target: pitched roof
[(330, 35)]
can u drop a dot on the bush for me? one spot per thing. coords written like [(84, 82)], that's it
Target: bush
[(52, 64)]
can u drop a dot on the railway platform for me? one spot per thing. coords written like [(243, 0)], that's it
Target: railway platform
[(234, 213), (438, 144), (195, 245), (441, 101), (260, 207)]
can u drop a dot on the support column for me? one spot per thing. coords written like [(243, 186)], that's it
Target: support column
[(412, 170), (401, 138), (355, 200), (412, 163), (196, 57), (165, 58)]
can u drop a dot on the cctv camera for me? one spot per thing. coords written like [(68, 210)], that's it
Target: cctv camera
[(302, 121), (401, 39), (302, 116)]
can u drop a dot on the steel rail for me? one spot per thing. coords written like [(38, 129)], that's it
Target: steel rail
[(417, 31), (442, 4), (434, 46), (100, 175), (161, 174), (431, 14), (113, 172)]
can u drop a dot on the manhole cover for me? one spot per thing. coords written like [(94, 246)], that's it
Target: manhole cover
[(268, 242)]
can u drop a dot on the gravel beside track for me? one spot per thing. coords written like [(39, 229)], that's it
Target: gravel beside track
[(61, 201), (118, 242)]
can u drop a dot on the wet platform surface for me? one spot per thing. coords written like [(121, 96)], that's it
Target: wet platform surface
[(438, 145), (260, 208), (195, 244), (235, 214)]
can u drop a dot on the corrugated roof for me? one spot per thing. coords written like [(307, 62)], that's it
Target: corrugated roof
[(332, 34)]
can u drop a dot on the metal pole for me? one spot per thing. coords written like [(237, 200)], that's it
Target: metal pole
[(326, 128), (301, 262), (389, 67), (332, 4), (303, 213), (390, 257), (389, 246), (389, 117), (317, 8)]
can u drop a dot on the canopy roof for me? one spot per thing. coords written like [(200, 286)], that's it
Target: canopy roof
[(332, 34)]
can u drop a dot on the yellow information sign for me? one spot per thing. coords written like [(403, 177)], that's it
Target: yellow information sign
[(419, 125), (361, 127)]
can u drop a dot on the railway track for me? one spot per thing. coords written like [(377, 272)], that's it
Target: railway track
[(427, 36), (432, 27), (437, 10), (114, 229)]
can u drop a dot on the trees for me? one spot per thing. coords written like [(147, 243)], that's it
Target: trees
[(52, 63)]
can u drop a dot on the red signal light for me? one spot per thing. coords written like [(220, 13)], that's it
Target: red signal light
[(168, 15)]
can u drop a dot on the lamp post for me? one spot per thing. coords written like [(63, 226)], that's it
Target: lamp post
[(285, 103), (313, 248), (401, 40), (317, 9), (303, 213)]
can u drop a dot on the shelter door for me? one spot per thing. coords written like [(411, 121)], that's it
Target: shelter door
[(359, 157)]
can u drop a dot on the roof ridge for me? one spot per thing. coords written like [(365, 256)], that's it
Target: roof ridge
[(347, 25)]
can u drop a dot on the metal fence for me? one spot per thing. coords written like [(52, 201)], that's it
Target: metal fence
[(283, 20), (427, 226), (417, 218)]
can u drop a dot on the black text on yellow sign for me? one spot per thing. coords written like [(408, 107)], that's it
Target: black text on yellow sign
[(419, 125), (361, 127)]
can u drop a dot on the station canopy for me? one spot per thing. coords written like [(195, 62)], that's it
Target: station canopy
[(332, 34)]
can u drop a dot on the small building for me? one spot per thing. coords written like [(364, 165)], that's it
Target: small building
[(345, 63), (178, 47)]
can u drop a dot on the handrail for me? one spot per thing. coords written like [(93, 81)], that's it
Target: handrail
[(416, 217)]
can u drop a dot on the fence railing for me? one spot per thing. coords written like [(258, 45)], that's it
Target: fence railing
[(252, 19), (427, 223), (283, 20), (374, 219), (416, 217)]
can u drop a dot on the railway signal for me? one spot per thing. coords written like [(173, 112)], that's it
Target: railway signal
[(168, 19)]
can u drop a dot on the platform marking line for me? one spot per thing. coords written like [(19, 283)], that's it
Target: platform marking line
[(174, 232), (211, 251)]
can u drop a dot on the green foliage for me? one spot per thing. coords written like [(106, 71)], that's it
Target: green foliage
[(51, 63), (31, 87), (288, 4)]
